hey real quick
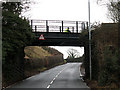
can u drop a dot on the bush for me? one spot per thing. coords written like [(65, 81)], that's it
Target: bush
[(17, 34), (110, 71), (95, 65)]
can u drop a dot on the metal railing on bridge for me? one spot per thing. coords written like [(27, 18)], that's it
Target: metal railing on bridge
[(58, 26)]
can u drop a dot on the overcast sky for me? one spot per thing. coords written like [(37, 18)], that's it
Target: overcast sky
[(67, 10)]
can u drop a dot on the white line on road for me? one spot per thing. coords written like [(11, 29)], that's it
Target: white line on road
[(51, 82), (48, 86), (55, 78)]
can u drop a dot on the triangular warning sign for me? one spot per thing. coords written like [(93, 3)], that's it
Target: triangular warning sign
[(41, 37)]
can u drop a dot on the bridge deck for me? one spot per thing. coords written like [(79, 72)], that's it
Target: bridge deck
[(57, 39), (54, 32)]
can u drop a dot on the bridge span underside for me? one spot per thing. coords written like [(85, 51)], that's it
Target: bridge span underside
[(57, 39)]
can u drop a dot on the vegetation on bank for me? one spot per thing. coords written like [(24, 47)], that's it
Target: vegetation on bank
[(51, 50), (35, 52), (79, 59), (38, 59), (16, 34), (105, 57), (105, 50)]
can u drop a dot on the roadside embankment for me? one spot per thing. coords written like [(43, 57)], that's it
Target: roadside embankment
[(38, 59), (105, 57)]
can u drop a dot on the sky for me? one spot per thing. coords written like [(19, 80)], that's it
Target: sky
[(76, 10), (64, 50), (67, 10)]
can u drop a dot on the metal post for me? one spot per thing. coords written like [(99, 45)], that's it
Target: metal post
[(35, 28), (31, 23), (73, 29), (62, 26), (89, 40), (83, 26), (77, 26), (87, 25), (46, 26)]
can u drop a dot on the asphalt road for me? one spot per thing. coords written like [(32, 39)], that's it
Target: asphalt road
[(63, 76)]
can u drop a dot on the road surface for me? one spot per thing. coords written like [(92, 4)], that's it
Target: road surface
[(63, 76)]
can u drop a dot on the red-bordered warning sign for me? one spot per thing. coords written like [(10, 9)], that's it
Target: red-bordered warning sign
[(41, 37)]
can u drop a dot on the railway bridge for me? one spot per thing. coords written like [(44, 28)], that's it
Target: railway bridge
[(52, 32)]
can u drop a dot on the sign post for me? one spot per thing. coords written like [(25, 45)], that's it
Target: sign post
[(89, 40)]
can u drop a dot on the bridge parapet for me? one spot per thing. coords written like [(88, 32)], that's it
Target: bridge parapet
[(58, 26)]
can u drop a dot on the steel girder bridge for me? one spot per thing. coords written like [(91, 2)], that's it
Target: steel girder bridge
[(52, 32)]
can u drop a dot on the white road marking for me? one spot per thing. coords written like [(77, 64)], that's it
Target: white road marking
[(55, 78), (51, 82), (48, 86), (58, 74)]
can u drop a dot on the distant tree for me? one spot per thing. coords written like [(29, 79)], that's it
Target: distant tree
[(18, 8), (72, 53), (26, 6), (95, 24), (113, 9)]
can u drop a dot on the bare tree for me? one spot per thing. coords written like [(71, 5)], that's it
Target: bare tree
[(26, 5), (113, 9), (72, 53)]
